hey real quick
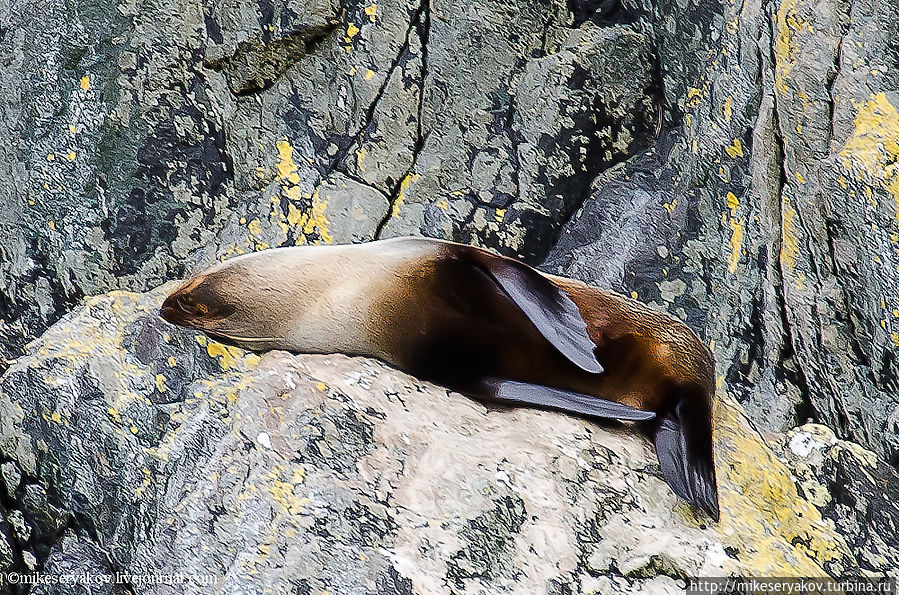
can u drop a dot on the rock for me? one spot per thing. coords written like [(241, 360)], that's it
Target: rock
[(771, 192), (84, 568), (11, 477), (21, 530), (155, 139), (851, 488), (30, 525), (731, 163), (7, 541), (178, 454), (519, 154)]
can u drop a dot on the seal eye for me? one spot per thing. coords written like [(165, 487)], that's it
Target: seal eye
[(203, 303), (190, 306)]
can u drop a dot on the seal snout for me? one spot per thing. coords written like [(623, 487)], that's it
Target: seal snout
[(172, 310), (194, 303)]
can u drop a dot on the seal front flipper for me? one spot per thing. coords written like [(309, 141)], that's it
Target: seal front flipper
[(683, 440), (523, 393), (545, 304)]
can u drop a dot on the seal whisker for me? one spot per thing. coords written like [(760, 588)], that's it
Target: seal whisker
[(244, 339)]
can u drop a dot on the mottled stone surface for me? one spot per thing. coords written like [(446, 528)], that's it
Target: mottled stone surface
[(852, 488), (176, 454), (143, 140), (77, 557), (732, 163), (766, 215)]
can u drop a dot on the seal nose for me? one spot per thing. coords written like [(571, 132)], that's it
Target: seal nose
[(167, 309), (172, 310)]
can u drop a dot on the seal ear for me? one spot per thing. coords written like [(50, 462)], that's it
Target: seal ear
[(683, 440), (545, 304)]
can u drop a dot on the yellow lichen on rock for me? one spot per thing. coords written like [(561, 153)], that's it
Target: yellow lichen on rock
[(775, 531), (255, 227), (160, 383), (287, 169), (145, 483), (735, 244), (788, 24), (694, 95), (316, 220), (227, 356), (283, 489), (401, 195), (873, 147), (311, 220), (789, 247), (735, 149), (361, 154), (73, 348)]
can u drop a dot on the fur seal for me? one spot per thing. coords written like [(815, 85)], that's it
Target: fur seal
[(482, 324)]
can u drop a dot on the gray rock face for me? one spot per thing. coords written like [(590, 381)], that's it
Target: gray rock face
[(766, 215), (515, 166), (76, 557), (845, 481), (179, 456), (153, 139), (732, 163)]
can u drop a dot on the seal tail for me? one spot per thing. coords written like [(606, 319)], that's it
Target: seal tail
[(683, 440)]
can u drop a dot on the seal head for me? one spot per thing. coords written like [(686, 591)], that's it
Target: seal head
[(222, 306)]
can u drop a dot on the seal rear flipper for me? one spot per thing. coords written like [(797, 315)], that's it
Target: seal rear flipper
[(523, 393), (545, 304), (683, 441)]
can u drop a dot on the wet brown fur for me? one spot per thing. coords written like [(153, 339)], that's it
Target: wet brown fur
[(645, 353)]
